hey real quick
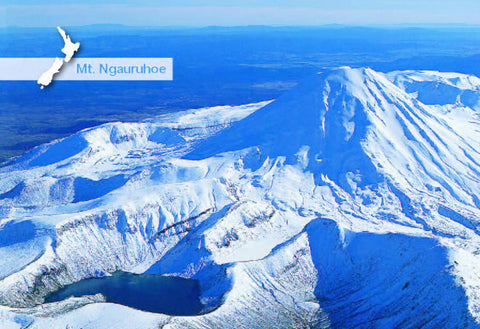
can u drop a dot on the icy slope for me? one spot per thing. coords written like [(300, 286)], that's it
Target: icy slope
[(352, 119), (352, 201)]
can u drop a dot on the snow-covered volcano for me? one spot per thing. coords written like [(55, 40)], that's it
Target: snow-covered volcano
[(352, 201)]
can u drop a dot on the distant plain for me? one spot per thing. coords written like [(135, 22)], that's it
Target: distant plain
[(212, 66)]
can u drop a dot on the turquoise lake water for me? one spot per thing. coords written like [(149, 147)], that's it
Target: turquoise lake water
[(146, 292)]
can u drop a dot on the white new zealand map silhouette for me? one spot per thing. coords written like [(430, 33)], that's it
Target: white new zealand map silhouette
[(69, 50)]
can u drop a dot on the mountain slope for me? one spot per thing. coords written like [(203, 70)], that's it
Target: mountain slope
[(352, 201)]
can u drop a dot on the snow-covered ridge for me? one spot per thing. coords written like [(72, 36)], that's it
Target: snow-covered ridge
[(351, 201)]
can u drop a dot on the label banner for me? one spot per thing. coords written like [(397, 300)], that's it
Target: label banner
[(88, 69)]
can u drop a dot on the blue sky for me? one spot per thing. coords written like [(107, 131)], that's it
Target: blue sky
[(229, 13)]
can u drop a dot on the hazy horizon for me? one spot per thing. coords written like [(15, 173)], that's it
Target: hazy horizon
[(28, 13), (273, 26)]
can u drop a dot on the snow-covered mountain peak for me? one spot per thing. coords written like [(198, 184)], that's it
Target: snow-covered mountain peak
[(337, 194), (299, 117), (358, 121)]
